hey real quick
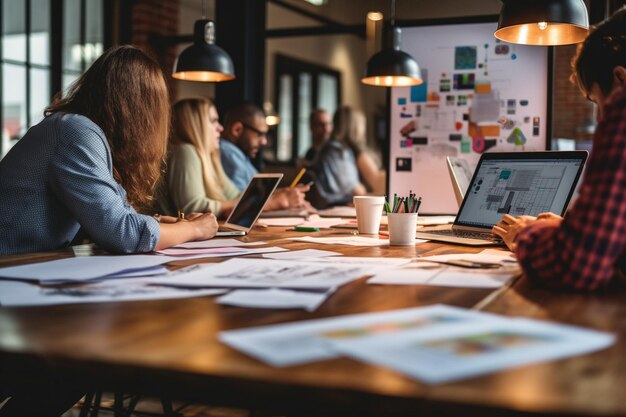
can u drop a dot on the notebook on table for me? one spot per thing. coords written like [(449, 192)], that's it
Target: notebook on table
[(521, 183), (250, 205)]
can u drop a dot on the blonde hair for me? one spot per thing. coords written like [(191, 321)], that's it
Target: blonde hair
[(125, 94), (191, 125), (349, 127)]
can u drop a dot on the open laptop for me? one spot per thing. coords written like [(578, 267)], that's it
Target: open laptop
[(521, 183), (250, 205), (460, 175)]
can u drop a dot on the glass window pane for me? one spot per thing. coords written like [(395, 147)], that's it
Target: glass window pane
[(327, 92), (13, 100), (14, 30), (68, 79), (40, 32), (94, 31), (304, 95), (39, 93), (285, 112), (72, 49)]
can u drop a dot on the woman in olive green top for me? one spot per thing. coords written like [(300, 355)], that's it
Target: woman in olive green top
[(196, 181)]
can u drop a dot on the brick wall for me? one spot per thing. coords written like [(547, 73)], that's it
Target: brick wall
[(571, 110), (151, 19)]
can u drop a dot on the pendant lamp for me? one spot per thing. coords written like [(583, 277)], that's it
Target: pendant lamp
[(204, 61), (392, 67), (543, 22)]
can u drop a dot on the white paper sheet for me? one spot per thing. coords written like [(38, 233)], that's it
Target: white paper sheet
[(282, 221), (274, 298), (434, 344), (339, 211), (313, 220), (217, 243), (442, 355), (267, 273), (487, 255), (218, 252), (303, 254), (16, 294), (344, 240), (442, 276), (82, 268), (147, 272), (434, 220), (379, 263), (422, 272), (308, 341)]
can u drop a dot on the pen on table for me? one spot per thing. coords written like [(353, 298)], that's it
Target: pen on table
[(297, 178)]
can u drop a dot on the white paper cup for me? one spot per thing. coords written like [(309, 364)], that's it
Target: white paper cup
[(402, 228), (369, 210)]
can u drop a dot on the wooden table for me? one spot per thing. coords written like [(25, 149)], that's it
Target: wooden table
[(170, 348)]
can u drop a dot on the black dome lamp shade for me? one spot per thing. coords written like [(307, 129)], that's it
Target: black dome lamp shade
[(392, 67), (204, 61), (543, 22)]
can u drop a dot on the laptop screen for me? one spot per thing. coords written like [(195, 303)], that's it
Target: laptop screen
[(541, 182), (253, 200)]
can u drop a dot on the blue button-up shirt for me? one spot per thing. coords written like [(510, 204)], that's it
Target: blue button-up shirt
[(58, 179), (236, 164)]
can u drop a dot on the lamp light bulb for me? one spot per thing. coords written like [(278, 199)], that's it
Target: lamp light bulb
[(542, 25)]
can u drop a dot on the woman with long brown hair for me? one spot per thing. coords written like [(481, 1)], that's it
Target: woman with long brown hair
[(90, 167), (88, 170)]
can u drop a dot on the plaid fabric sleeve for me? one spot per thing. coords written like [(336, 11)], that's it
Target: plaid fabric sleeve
[(582, 251)]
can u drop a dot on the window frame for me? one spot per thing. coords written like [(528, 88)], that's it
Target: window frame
[(55, 66)]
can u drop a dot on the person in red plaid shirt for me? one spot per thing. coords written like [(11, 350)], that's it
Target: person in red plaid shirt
[(584, 250)]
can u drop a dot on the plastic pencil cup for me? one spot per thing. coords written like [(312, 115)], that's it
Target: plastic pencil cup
[(369, 210), (402, 228)]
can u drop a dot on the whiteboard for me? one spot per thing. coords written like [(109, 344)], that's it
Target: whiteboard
[(479, 95)]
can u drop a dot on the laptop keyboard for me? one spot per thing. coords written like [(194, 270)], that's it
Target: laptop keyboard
[(466, 234)]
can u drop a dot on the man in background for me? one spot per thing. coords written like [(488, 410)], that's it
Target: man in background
[(321, 126), (245, 134)]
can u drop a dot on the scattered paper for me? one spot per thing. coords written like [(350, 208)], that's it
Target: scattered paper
[(434, 344), (216, 243), (82, 268), (434, 220), (266, 273), (274, 298), (16, 294), (362, 260), (281, 221), (308, 341), (303, 254), (343, 240), (442, 355), (443, 276), (147, 272), (219, 252), (322, 222), (427, 271), (488, 255), (339, 211)]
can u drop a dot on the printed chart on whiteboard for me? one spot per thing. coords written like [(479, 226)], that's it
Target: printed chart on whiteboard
[(479, 95)]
